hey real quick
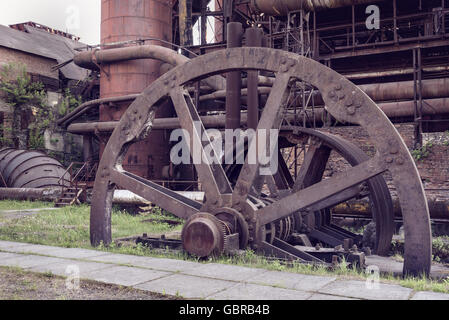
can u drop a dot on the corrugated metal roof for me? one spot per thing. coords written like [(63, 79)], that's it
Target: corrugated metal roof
[(44, 44)]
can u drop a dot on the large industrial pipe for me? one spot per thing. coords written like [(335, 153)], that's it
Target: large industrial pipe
[(233, 79), (92, 59), (41, 194), (30, 169), (392, 110), (379, 92), (91, 104), (283, 7), (253, 39), (401, 90)]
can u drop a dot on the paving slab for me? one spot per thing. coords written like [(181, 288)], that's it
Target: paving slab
[(248, 291), (319, 296), (125, 276), (64, 267), (147, 262), (33, 249), (10, 246), (75, 253), (225, 272), (289, 280), (7, 255), (424, 295), (188, 287), (359, 289), (29, 261), (388, 265)]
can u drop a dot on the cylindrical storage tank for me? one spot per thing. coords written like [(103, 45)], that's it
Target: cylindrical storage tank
[(126, 20), (30, 169)]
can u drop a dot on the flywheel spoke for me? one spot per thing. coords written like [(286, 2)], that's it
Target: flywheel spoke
[(167, 199), (313, 166), (321, 191), (271, 119), (211, 174)]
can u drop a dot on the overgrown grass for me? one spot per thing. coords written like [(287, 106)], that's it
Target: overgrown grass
[(21, 205), (69, 227)]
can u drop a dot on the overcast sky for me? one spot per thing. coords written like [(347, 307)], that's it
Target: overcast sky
[(79, 17)]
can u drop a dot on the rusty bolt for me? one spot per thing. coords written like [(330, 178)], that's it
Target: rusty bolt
[(318, 247), (389, 159), (367, 251), (332, 95), (338, 87), (291, 62), (335, 260), (394, 149), (348, 103), (400, 161), (284, 68), (351, 111)]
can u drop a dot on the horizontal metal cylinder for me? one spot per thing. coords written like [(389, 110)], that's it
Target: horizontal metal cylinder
[(44, 194), (283, 7), (392, 110), (30, 169), (438, 209), (92, 59), (401, 90), (91, 104)]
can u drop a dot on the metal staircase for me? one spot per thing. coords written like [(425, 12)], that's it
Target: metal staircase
[(82, 177)]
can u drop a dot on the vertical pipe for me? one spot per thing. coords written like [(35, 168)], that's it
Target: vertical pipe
[(233, 79), (420, 105), (87, 148), (185, 22), (353, 26), (204, 22), (218, 23), (395, 22), (315, 44), (253, 39)]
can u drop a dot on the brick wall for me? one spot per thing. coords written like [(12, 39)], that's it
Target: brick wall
[(34, 64), (434, 168)]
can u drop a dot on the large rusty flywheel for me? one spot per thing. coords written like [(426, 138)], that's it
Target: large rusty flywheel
[(236, 209)]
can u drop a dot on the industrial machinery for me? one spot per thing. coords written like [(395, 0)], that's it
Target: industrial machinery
[(233, 211), (275, 82)]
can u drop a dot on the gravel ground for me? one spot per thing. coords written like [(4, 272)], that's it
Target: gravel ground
[(16, 284)]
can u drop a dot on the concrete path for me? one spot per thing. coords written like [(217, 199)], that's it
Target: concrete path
[(195, 280)]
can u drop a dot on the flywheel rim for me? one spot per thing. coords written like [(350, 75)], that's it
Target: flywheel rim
[(344, 101)]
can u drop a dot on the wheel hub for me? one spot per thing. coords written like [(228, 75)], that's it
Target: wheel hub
[(204, 235)]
